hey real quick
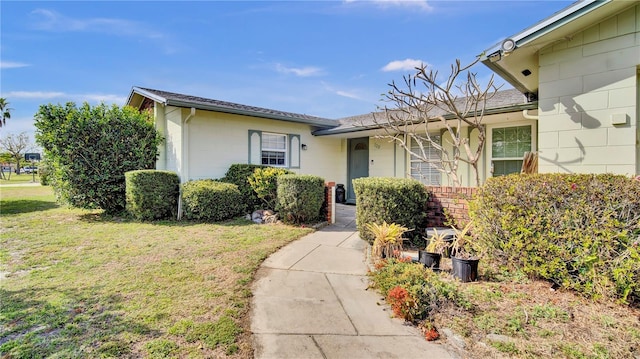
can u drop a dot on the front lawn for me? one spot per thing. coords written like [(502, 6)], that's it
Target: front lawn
[(77, 284)]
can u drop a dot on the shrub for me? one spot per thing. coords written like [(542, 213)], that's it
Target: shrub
[(579, 231), (392, 200), (264, 182), (211, 200), (152, 194), (415, 292), (300, 198), (90, 148), (239, 174)]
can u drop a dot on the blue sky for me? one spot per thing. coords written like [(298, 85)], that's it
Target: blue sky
[(325, 58)]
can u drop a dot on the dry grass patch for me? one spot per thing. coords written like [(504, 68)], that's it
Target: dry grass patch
[(79, 284), (518, 318)]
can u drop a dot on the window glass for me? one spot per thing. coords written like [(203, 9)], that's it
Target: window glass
[(424, 172), (274, 149), (509, 144)]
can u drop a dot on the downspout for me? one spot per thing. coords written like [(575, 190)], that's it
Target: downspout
[(526, 115), (185, 157)]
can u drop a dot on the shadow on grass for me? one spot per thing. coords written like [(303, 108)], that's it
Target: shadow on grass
[(102, 217), (25, 206), (79, 323)]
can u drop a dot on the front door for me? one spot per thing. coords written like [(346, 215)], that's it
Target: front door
[(358, 164)]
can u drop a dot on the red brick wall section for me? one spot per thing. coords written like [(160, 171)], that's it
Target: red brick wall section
[(448, 204), (328, 198)]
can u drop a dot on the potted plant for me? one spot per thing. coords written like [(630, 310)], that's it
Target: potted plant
[(436, 245), (387, 239), (464, 255)]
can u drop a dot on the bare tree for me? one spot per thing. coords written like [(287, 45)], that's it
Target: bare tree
[(423, 102), (16, 146)]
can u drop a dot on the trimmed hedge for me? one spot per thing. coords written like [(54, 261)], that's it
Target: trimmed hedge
[(580, 231), (300, 198), (152, 194), (239, 174), (394, 200), (264, 182), (211, 200)]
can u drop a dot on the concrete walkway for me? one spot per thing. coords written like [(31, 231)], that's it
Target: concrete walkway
[(310, 301)]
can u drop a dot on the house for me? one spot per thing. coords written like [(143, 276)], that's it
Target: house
[(581, 65), (203, 137), (575, 102)]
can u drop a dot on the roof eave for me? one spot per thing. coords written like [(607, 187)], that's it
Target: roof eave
[(492, 111), (208, 107), (535, 34)]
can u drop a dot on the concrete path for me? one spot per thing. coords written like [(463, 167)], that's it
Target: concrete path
[(310, 301)]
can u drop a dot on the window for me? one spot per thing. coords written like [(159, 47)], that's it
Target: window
[(424, 172), (274, 149), (508, 147)]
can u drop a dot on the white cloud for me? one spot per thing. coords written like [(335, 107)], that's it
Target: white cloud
[(62, 96), (12, 65), (49, 20), (419, 4), (299, 71), (52, 21), (348, 94), (403, 65)]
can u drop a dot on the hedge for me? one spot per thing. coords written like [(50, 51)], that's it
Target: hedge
[(300, 198), (239, 174), (211, 200), (152, 194), (580, 231), (394, 200)]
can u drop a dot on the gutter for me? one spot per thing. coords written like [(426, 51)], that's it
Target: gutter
[(319, 122), (491, 111)]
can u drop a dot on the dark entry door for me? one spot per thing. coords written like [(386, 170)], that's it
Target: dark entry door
[(358, 164)]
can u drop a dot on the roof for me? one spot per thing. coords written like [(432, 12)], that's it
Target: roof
[(187, 101), (502, 102), (519, 65)]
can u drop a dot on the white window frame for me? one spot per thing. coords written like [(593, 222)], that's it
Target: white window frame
[(291, 151), (433, 172), (285, 151), (489, 143)]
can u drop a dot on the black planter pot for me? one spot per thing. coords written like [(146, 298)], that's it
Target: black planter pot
[(430, 260), (465, 269)]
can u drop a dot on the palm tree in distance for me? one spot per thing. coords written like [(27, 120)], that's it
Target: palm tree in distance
[(5, 111)]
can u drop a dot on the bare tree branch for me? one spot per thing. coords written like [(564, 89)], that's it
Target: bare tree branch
[(422, 102)]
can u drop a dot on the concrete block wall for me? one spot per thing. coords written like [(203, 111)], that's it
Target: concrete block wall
[(449, 201), (588, 99)]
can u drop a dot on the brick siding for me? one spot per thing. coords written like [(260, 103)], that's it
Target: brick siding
[(451, 201)]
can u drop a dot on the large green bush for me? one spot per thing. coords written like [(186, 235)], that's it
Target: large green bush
[(152, 194), (239, 174), (89, 149), (393, 200), (211, 200), (264, 182), (579, 231), (300, 198)]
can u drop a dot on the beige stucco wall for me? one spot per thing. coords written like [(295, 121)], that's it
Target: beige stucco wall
[(168, 123), (382, 158), (586, 83), (217, 140)]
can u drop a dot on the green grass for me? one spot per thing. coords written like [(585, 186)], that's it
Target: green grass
[(18, 179), (79, 284)]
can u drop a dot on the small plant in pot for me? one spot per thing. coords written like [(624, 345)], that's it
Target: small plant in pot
[(464, 255), (388, 239), (436, 245)]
